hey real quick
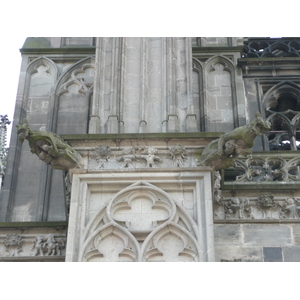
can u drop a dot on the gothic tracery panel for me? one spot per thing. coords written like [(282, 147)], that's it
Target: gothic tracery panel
[(141, 223), (74, 96)]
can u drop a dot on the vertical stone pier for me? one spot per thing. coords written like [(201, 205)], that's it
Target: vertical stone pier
[(143, 85)]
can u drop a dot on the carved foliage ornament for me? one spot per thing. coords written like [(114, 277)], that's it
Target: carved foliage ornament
[(13, 244), (178, 154), (263, 207), (102, 154)]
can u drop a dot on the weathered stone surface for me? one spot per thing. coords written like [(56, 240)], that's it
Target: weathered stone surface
[(272, 254), (146, 93), (296, 234), (267, 235), (223, 152), (291, 254), (238, 253), (226, 235)]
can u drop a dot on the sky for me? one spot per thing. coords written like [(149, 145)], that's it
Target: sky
[(9, 76)]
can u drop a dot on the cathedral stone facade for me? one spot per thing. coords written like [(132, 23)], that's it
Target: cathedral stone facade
[(154, 149)]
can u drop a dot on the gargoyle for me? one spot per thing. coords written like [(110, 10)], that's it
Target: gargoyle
[(223, 152), (49, 147)]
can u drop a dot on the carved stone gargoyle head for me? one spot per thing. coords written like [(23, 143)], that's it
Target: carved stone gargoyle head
[(49, 147), (259, 125), (223, 152), (23, 131)]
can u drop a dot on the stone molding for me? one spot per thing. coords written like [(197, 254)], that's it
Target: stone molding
[(16, 245)]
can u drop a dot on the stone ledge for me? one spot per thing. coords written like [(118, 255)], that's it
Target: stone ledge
[(258, 221), (244, 60), (18, 225), (66, 50), (58, 258), (270, 186), (178, 135), (200, 49)]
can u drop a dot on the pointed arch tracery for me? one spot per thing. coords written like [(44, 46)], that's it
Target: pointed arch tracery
[(41, 71), (165, 226), (281, 105), (73, 97), (221, 102)]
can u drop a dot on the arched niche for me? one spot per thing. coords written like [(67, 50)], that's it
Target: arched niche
[(284, 90), (110, 243), (198, 97), (170, 243), (41, 75), (281, 106), (73, 98), (220, 104)]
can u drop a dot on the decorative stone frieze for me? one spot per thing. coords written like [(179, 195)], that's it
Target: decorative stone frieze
[(102, 154), (178, 154), (32, 243), (146, 154), (265, 204), (262, 207), (128, 156), (47, 245), (290, 209), (268, 168), (237, 208), (150, 157), (13, 244)]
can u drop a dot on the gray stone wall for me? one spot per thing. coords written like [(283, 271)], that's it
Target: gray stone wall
[(114, 86), (257, 242), (55, 87)]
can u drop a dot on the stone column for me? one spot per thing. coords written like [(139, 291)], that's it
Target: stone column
[(105, 104), (142, 85)]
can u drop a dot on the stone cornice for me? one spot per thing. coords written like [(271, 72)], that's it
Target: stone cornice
[(27, 225), (64, 50), (178, 135)]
